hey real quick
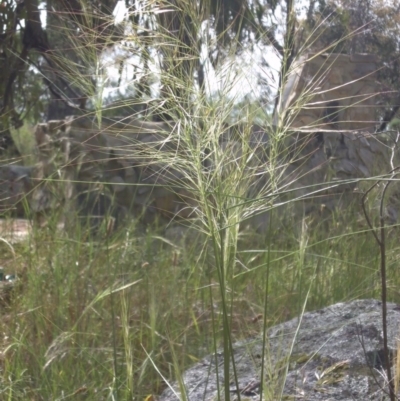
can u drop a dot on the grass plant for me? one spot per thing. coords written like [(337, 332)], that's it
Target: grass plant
[(121, 318), (74, 323)]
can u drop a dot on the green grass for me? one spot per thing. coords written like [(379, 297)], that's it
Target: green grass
[(93, 318)]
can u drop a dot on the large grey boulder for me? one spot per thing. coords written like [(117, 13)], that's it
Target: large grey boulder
[(335, 353), (327, 146), (140, 165)]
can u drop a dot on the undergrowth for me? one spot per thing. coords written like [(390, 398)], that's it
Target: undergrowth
[(92, 319)]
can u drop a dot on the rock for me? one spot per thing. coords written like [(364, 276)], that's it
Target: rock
[(335, 353), (330, 91), (15, 183), (134, 162), (325, 124), (20, 183), (95, 209), (133, 159)]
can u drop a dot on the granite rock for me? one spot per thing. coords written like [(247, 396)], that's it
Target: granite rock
[(335, 353)]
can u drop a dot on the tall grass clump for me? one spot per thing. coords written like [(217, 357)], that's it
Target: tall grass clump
[(119, 317)]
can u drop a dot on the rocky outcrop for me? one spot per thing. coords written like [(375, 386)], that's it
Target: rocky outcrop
[(138, 168), (335, 353), (330, 91), (145, 169), (126, 161)]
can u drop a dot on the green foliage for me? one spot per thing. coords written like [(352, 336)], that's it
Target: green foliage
[(25, 143), (87, 317)]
